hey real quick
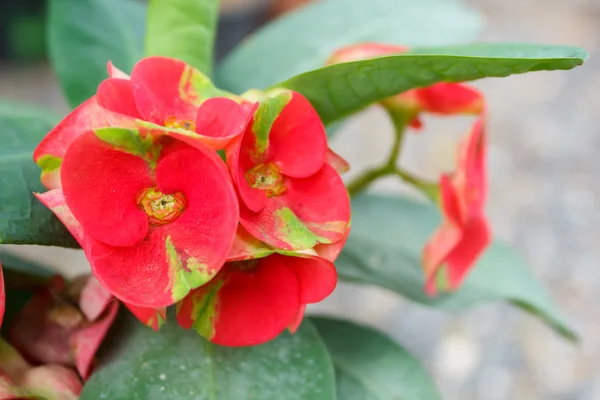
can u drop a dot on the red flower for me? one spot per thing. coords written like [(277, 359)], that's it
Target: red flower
[(19, 380), (65, 324), (252, 300), (161, 93), (464, 233), (155, 216), (441, 98), (290, 197)]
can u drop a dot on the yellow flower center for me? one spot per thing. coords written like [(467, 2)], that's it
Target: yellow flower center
[(173, 122), (268, 178), (161, 208)]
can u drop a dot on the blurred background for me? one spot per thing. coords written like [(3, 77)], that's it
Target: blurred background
[(544, 189)]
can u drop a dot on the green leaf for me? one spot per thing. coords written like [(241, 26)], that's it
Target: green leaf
[(339, 90), (303, 40), (371, 366), (23, 219), (183, 29), (385, 246), (83, 35), (140, 364)]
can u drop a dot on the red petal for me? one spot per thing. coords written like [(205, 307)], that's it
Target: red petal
[(87, 116), (362, 51), (476, 237), (116, 95), (297, 139), (337, 162), (100, 185), (55, 201), (450, 98), (256, 305), (297, 321), (86, 341), (114, 72), (331, 251), (316, 275), (204, 233), (220, 119), (140, 275), (2, 296), (94, 299), (154, 318)]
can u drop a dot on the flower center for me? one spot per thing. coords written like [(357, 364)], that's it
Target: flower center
[(266, 177), (173, 122), (161, 208)]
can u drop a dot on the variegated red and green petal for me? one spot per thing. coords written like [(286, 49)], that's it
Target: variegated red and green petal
[(312, 210), (114, 72), (55, 201), (362, 51), (297, 321), (168, 88), (116, 96), (49, 153), (337, 162), (317, 277), (244, 307), (153, 318), (296, 137), (285, 126), (86, 340), (100, 184), (331, 251), (450, 98), (247, 247), (94, 299)]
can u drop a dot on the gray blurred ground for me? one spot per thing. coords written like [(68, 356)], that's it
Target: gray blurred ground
[(544, 199)]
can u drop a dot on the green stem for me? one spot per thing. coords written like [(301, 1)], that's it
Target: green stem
[(429, 189)]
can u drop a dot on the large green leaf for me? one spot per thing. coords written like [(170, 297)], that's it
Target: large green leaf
[(371, 366), (84, 35), (140, 364), (23, 219), (385, 246), (303, 40), (339, 90), (183, 29)]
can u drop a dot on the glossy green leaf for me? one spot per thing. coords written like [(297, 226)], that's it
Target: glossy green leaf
[(183, 29), (83, 35), (140, 364), (385, 247), (371, 366), (339, 90), (303, 40), (23, 219)]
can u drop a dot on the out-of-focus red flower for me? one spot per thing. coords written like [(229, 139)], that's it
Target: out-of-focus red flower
[(441, 98), (257, 294), (19, 380), (162, 93), (155, 216), (291, 198), (464, 234), (65, 324)]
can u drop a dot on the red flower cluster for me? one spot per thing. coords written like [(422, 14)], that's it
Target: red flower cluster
[(135, 176), (60, 328), (464, 234)]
